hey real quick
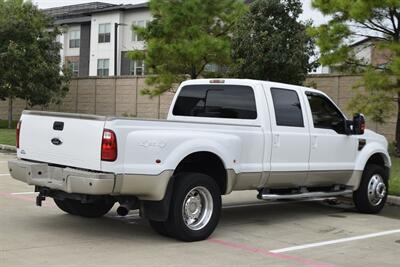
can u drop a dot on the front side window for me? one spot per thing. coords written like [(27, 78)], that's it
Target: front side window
[(136, 67), (216, 101), (74, 67), (74, 39), (325, 114), (104, 33), (287, 108), (103, 66)]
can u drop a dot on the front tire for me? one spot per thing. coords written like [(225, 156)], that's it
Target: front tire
[(195, 207), (95, 209), (372, 193)]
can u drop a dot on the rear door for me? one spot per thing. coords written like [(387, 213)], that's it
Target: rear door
[(73, 141), (290, 137)]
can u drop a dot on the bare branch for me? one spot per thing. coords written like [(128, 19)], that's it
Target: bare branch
[(378, 25), (366, 26)]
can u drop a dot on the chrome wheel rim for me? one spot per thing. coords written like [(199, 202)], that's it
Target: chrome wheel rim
[(197, 208), (376, 190)]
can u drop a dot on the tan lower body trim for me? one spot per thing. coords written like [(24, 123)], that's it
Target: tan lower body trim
[(252, 181), (145, 187)]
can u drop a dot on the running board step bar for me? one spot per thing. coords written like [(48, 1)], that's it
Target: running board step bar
[(305, 195)]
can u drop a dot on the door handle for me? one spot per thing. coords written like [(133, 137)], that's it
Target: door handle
[(314, 141), (276, 140)]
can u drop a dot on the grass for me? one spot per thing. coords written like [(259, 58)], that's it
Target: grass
[(4, 124), (394, 186), (7, 136)]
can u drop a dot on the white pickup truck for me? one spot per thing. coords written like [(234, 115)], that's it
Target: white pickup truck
[(287, 142)]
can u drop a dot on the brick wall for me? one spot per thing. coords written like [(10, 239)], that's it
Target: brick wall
[(104, 96), (121, 97)]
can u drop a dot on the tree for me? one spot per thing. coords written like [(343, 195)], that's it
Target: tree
[(184, 37), (270, 43), (30, 63), (379, 21)]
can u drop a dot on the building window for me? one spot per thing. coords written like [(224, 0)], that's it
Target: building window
[(74, 67), (103, 66), (140, 23), (104, 33), (136, 67), (74, 39)]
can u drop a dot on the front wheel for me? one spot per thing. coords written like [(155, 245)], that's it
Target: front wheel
[(195, 207), (371, 196)]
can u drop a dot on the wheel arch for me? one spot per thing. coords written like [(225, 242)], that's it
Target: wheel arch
[(373, 153), (208, 163)]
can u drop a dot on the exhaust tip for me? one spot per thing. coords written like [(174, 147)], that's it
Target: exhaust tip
[(122, 211)]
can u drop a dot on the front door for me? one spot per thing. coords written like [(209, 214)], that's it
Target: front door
[(333, 153)]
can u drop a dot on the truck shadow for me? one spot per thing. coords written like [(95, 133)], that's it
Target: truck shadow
[(135, 228)]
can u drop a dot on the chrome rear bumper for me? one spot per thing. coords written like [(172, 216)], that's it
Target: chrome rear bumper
[(65, 179)]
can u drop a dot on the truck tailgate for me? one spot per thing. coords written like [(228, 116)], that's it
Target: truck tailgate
[(63, 139)]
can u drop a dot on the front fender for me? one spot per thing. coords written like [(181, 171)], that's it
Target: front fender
[(368, 151)]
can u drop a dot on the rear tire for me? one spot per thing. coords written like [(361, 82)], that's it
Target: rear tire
[(160, 228), (195, 207), (64, 206), (95, 209), (372, 193)]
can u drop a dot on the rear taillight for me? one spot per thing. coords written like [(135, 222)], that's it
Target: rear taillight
[(109, 146), (18, 130)]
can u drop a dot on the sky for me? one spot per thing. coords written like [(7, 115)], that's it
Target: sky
[(309, 12)]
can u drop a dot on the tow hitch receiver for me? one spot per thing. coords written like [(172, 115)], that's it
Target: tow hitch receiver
[(41, 197)]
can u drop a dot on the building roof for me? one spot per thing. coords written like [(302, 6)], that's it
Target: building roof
[(121, 8), (363, 41), (75, 10), (82, 12)]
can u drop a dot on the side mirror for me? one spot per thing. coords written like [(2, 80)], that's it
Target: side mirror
[(358, 124)]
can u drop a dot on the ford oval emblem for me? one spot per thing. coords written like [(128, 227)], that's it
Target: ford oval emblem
[(56, 141)]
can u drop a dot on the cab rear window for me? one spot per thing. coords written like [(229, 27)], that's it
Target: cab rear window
[(216, 101)]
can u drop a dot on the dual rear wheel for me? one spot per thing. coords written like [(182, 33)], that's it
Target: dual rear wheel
[(94, 209), (195, 208)]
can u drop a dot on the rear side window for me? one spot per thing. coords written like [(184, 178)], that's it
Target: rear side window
[(216, 101), (287, 108)]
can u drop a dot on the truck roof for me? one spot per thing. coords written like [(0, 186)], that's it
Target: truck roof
[(248, 82)]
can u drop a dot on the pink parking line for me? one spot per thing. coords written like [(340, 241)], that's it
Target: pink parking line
[(27, 199), (263, 252)]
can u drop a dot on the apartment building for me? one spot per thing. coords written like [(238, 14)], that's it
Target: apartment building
[(97, 37)]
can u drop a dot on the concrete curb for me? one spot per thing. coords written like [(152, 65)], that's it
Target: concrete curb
[(8, 148), (393, 200)]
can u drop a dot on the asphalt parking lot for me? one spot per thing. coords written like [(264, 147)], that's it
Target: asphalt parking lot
[(250, 233)]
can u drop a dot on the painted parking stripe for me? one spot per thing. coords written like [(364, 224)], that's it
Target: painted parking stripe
[(24, 193), (336, 241), (4, 174), (262, 252)]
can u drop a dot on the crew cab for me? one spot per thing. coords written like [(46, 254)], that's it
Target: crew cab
[(221, 135)]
